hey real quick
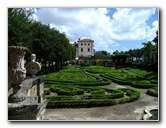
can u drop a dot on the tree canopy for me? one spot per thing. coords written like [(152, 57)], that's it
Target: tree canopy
[(47, 43)]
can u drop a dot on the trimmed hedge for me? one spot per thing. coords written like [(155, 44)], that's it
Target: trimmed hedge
[(68, 90), (47, 92), (94, 100), (154, 81), (76, 77), (143, 84), (116, 80), (85, 83), (77, 88), (153, 91)]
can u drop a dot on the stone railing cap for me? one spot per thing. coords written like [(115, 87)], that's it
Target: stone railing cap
[(17, 47)]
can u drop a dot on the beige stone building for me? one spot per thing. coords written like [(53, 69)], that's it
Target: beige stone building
[(84, 47)]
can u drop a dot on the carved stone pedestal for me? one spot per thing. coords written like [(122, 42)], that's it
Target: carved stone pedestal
[(34, 103)]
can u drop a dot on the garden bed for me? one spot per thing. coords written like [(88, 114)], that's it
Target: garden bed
[(89, 96), (79, 87)]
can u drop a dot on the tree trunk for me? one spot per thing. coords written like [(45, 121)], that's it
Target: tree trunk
[(56, 65), (52, 62), (61, 65), (49, 67), (45, 67)]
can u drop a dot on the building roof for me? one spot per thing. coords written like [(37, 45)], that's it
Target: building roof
[(85, 40), (75, 44)]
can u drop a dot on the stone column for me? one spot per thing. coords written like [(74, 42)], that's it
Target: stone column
[(16, 71)]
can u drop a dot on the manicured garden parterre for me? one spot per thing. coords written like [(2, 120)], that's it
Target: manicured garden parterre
[(77, 86)]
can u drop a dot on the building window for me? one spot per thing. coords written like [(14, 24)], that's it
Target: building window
[(88, 49), (85, 44), (88, 44), (81, 49), (81, 44)]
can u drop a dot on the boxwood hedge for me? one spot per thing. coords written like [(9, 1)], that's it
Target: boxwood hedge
[(93, 100), (153, 91), (143, 84)]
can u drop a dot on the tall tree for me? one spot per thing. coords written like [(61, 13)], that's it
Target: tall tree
[(148, 48), (156, 41), (104, 52), (49, 45), (19, 23)]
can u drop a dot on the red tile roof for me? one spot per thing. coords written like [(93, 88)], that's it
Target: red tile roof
[(75, 44), (85, 40)]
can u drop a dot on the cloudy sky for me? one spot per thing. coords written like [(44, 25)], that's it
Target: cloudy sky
[(111, 28)]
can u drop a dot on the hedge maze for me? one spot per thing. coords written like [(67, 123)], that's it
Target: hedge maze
[(85, 86)]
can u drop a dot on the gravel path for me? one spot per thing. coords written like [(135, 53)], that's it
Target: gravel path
[(123, 112)]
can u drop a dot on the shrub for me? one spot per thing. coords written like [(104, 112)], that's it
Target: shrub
[(153, 91), (154, 81), (143, 84), (84, 64), (116, 80), (94, 100), (47, 92), (66, 90), (100, 91)]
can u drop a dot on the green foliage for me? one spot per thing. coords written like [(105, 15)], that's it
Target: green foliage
[(148, 48), (66, 90), (19, 26), (143, 84), (156, 41), (102, 56), (97, 69), (153, 91), (47, 43), (117, 79), (138, 71), (84, 64), (76, 76), (47, 92), (120, 77), (96, 97), (66, 84), (120, 58), (145, 74), (124, 77)]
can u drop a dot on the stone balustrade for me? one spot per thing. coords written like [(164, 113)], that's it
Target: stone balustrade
[(26, 100)]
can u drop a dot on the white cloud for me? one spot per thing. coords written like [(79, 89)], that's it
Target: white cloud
[(152, 31), (94, 23), (124, 49), (131, 24)]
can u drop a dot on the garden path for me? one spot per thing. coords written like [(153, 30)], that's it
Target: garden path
[(123, 112)]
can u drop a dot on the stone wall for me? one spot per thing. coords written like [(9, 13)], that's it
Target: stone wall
[(28, 103)]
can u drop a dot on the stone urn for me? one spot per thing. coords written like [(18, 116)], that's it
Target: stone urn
[(16, 71)]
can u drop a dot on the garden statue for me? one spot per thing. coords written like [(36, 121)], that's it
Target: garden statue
[(33, 67)]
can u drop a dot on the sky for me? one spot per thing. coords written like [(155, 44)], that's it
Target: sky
[(111, 29)]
